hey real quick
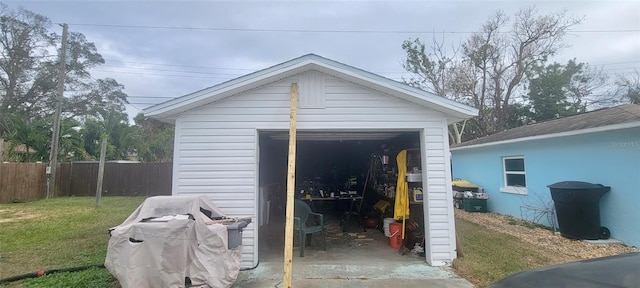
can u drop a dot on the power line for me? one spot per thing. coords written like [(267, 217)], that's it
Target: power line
[(134, 106), (604, 69), (616, 63), (144, 103), (176, 65), (265, 30), (171, 70), (214, 73), (129, 96), (620, 68), (166, 75), (321, 30), (247, 69)]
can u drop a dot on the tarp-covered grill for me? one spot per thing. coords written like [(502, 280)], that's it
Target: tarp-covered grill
[(176, 241)]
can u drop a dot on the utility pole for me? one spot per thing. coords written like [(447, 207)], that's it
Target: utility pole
[(103, 152), (53, 156), (1, 149)]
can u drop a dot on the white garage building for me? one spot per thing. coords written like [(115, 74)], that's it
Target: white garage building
[(219, 133)]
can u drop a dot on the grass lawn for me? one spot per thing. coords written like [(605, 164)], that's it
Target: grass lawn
[(490, 255), (71, 232), (59, 233)]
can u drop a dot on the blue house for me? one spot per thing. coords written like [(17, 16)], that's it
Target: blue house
[(515, 166)]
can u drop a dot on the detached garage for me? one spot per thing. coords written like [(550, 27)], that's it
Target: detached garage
[(231, 140)]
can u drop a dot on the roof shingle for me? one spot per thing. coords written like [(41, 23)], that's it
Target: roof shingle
[(598, 118)]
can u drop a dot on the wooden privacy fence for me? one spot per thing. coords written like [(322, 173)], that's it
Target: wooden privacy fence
[(22, 182), (27, 181)]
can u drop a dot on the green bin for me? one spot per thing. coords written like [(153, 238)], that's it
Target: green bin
[(475, 205)]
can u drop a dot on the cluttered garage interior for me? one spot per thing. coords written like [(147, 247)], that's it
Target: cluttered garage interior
[(350, 180)]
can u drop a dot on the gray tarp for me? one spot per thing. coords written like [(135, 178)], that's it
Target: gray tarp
[(167, 239)]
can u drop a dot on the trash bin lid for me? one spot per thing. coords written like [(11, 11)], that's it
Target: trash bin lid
[(577, 191), (577, 185)]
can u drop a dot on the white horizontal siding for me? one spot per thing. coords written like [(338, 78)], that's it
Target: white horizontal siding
[(311, 90), (439, 207), (234, 189), (214, 167), (225, 174), (438, 196), (219, 162), (204, 131), (309, 119), (328, 124), (438, 203), (216, 139), (215, 153), (215, 180), (215, 146)]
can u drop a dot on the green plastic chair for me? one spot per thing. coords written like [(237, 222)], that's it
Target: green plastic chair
[(300, 220)]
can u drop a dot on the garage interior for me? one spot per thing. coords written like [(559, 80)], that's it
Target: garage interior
[(334, 170)]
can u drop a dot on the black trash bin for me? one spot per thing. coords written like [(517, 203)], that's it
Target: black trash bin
[(578, 209)]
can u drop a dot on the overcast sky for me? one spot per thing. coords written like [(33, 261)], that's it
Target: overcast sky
[(221, 40)]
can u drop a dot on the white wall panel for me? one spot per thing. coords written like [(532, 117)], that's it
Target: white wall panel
[(439, 205), (215, 167), (216, 153)]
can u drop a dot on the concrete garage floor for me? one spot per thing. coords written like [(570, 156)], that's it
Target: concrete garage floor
[(352, 259)]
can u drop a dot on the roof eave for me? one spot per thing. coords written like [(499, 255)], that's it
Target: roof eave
[(553, 135), (195, 99), (171, 108), (457, 110)]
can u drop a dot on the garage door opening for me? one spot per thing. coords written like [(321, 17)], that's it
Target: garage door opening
[(349, 177)]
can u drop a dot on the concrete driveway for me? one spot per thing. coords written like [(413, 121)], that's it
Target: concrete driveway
[(325, 275), (352, 259)]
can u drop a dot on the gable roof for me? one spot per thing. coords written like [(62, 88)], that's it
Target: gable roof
[(619, 117), (167, 110)]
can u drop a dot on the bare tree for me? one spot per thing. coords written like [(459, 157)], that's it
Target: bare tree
[(627, 87), (491, 65)]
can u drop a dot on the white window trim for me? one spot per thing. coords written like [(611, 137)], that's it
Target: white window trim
[(513, 189)]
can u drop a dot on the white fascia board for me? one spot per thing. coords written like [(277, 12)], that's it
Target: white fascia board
[(555, 135)]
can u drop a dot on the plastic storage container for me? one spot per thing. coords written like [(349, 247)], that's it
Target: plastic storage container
[(235, 232), (578, 209), (475, 205)]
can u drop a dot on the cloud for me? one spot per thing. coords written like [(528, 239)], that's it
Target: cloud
[(173, 62)]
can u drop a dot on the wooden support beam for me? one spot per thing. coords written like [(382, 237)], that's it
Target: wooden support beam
[(291, 182)]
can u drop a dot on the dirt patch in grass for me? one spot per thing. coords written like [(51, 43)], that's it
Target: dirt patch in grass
[(7, 215)]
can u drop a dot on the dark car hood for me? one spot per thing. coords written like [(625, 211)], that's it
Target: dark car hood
[(613, 271)]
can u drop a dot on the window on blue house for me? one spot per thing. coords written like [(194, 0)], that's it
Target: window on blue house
[(515, 178)]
